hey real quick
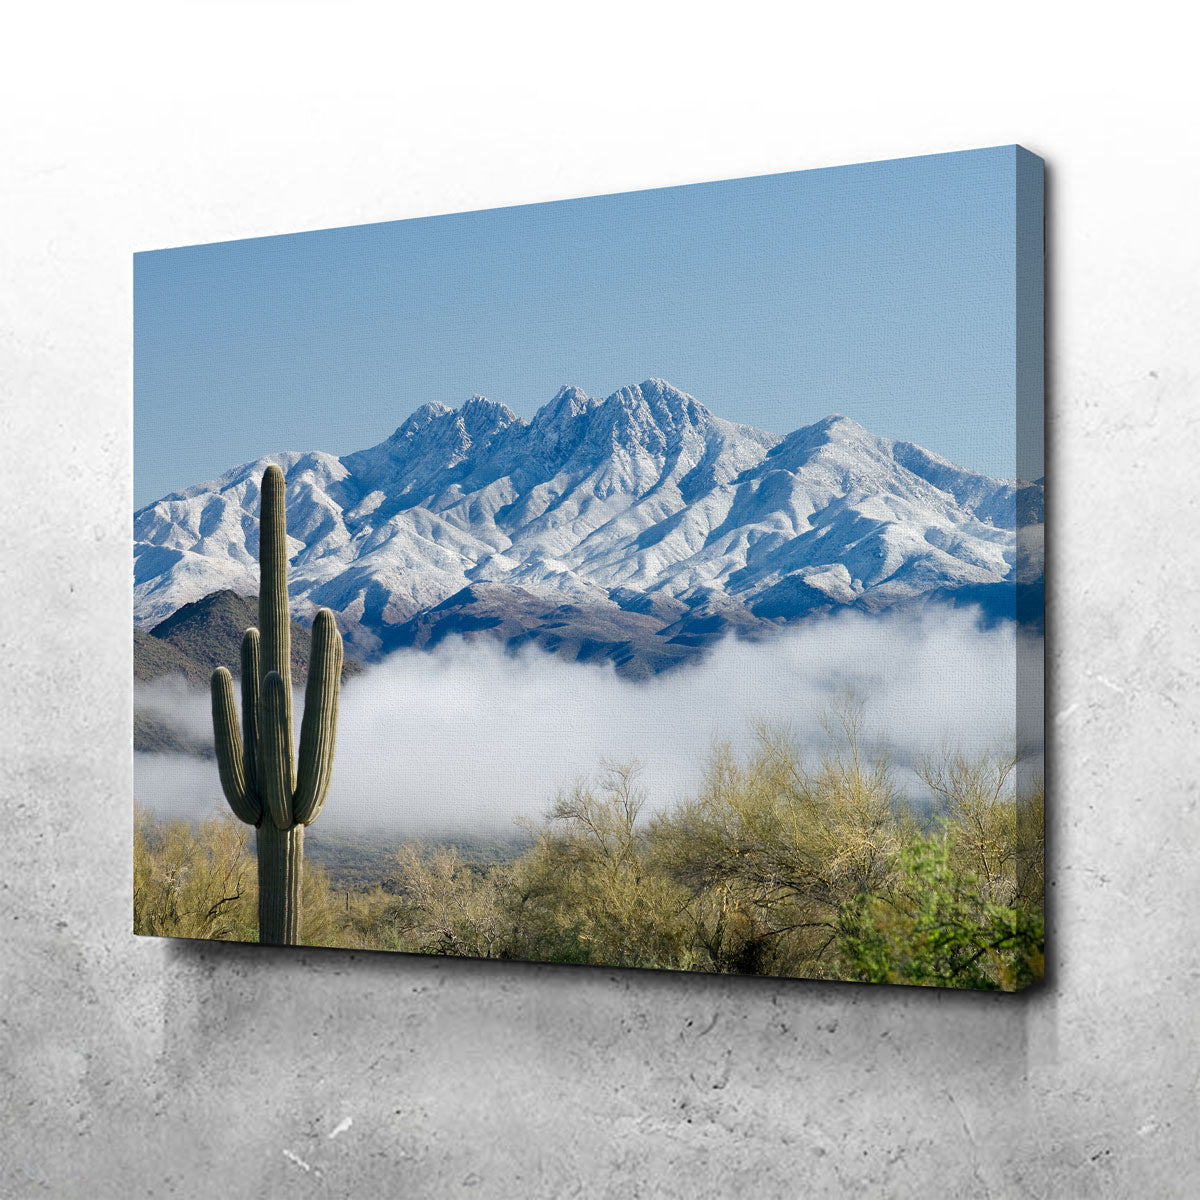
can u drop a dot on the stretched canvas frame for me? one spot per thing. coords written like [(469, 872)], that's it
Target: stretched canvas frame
[(737, 668)]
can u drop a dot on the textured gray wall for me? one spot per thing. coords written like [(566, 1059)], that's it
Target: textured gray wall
[(139, 1068)]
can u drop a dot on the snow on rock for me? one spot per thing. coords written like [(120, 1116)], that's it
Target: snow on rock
[(645, 492)]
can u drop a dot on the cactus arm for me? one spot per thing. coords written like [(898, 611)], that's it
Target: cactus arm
[(275, 753), (230, 762), (318, 730), (251, 690), (274, 619)]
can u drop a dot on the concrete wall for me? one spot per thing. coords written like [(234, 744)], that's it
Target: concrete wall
[(143, 1068)]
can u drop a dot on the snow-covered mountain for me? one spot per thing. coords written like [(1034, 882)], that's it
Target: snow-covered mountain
[(642, 503)]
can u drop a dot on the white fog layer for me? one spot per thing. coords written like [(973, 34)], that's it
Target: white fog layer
[(467, 737)]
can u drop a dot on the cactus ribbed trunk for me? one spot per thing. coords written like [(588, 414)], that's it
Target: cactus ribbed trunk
[(280, 880), (274, 619), (257, 764)]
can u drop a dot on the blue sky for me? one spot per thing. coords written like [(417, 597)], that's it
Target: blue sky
[(884, 291)]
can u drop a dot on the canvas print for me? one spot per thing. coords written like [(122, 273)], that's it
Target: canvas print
[(644, 580)]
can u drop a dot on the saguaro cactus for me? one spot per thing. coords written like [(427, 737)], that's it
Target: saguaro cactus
[(259, 775)]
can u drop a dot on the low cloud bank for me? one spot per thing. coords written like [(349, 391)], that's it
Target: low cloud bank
[(182, 708), (463, 739)]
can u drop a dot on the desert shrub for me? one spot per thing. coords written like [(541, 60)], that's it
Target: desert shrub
[(195, 881), (776, 866), (201, 881), (444, 905), (1030, 859), (979, 817), (588, 886), (772, 851), (324, 921)]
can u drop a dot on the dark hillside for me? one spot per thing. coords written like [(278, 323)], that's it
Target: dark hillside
[(192, 643), (209, 633)]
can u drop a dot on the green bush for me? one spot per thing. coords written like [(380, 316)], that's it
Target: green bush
[(936, 927)]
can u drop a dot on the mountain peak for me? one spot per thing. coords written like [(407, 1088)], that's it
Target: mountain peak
[(571, 393), (668, 406), (662, 387), (836, 422), (554, 425), (832, 428), (568, 401), (833, 434), (474, 420), (646, 490), (479, 411), (419, 418)]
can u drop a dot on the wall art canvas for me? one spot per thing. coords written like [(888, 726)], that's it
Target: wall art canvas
[(644, 580)]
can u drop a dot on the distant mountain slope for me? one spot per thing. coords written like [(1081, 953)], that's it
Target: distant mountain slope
[(208, 634), (642, 502), (190, 645), (632, 641), (153, 658)]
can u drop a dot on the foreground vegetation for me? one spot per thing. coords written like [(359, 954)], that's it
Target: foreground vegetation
[(774, 868)]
